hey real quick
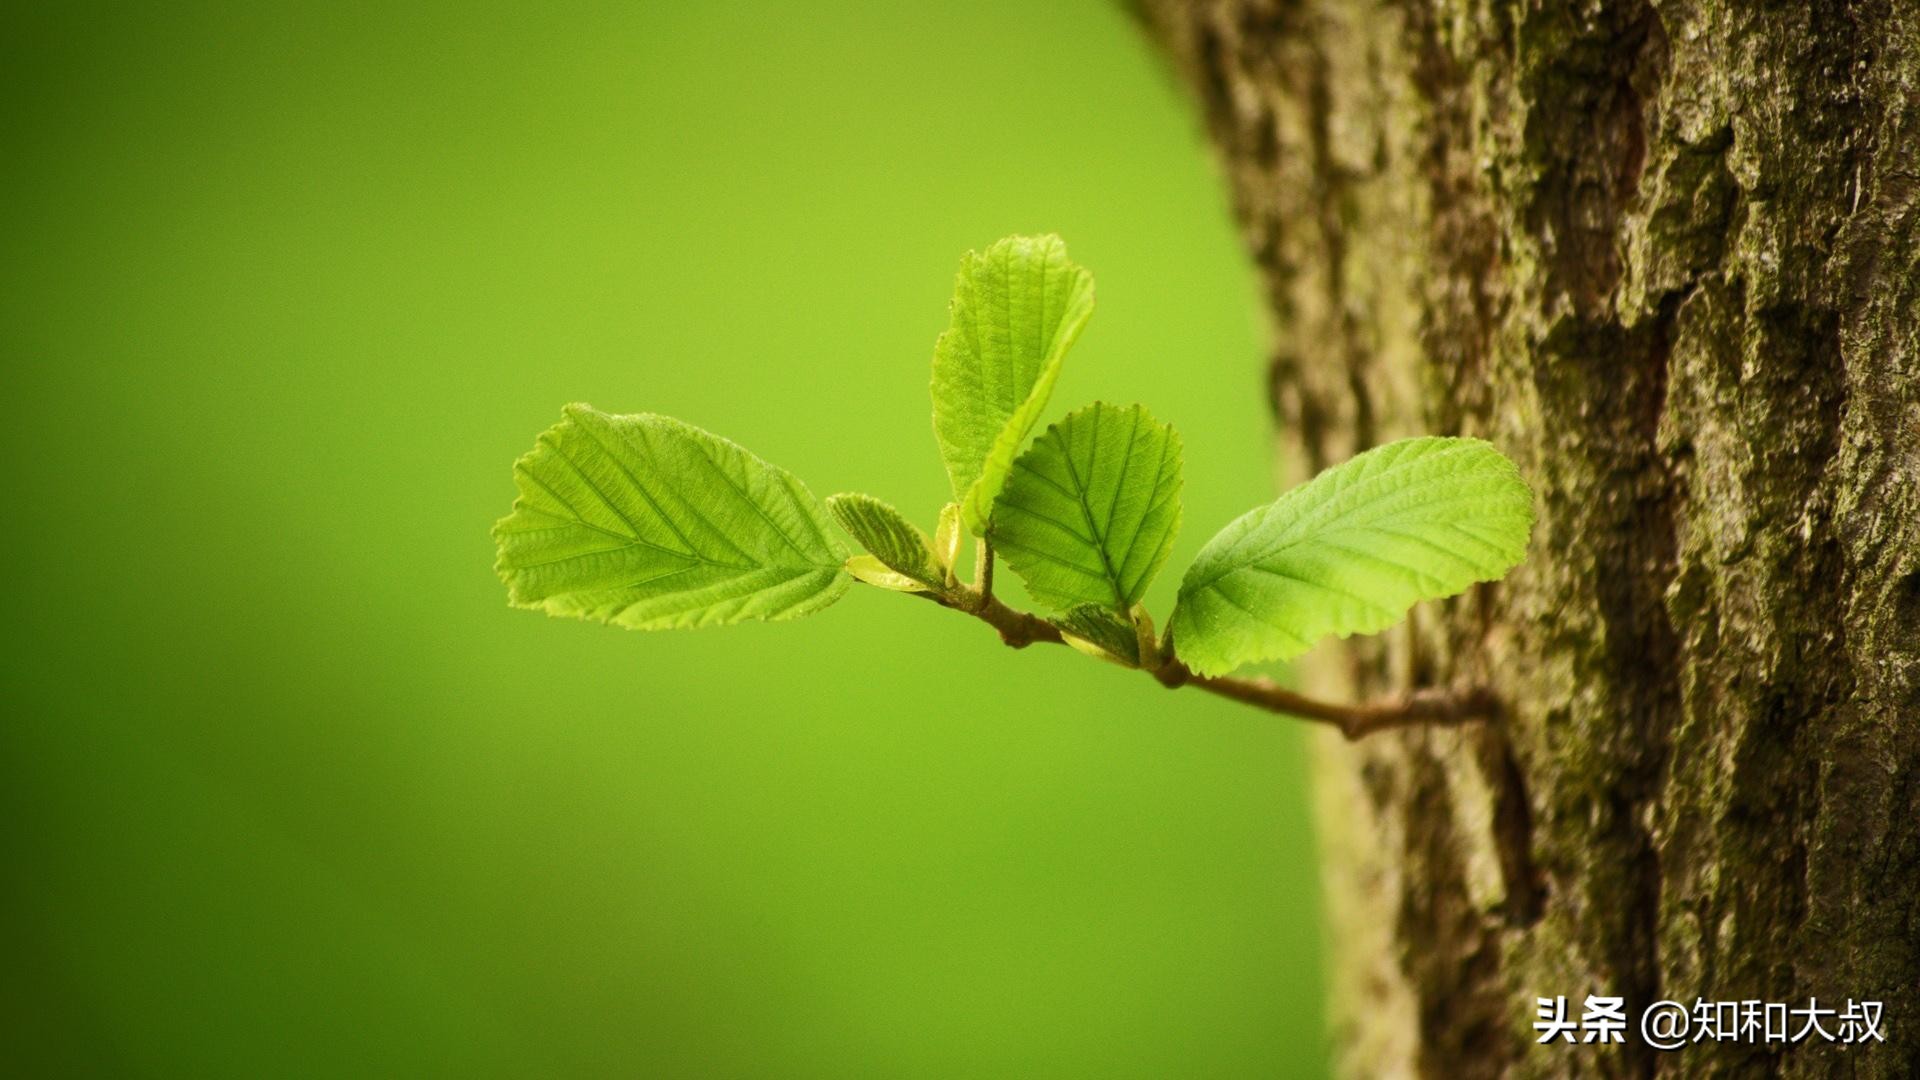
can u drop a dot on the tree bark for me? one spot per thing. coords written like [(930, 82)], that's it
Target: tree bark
[(1667, 256)]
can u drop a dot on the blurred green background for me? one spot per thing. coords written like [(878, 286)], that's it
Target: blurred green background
[(287, 790)]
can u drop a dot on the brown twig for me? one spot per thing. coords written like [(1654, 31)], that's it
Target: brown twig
[(1017, 628), (1445, 706)]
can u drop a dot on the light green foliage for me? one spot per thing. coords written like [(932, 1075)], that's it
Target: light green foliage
[(644, 521), (946, 536), (1096, 629), (896, 543), (649, 523), (1091, 509), (1350, 551), (1017, 308), (874, 572)]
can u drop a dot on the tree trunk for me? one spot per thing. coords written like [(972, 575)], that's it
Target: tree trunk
[(1667, 256)]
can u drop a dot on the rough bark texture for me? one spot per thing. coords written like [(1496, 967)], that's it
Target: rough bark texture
[(1667, 256)]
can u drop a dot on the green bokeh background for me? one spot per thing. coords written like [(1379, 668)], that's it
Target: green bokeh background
[(286, 789)]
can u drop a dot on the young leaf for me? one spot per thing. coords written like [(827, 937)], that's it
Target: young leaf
[(1351, 550), (1103, 629), (871, 570), (946, 535), (1091, 509), (1017, 308), (896, 542), (648, 523)]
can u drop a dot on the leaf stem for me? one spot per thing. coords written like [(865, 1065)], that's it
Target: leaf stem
[(1443, 706), (983, 573)]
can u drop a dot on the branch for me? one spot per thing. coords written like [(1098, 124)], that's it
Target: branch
[(1446, 706)]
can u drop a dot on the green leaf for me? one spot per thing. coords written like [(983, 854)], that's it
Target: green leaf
[(946, 536), (874, 572), (1091, 509), (1351, 550), (896, 542), (1017, 308), (1103, 629), (648, 523)]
